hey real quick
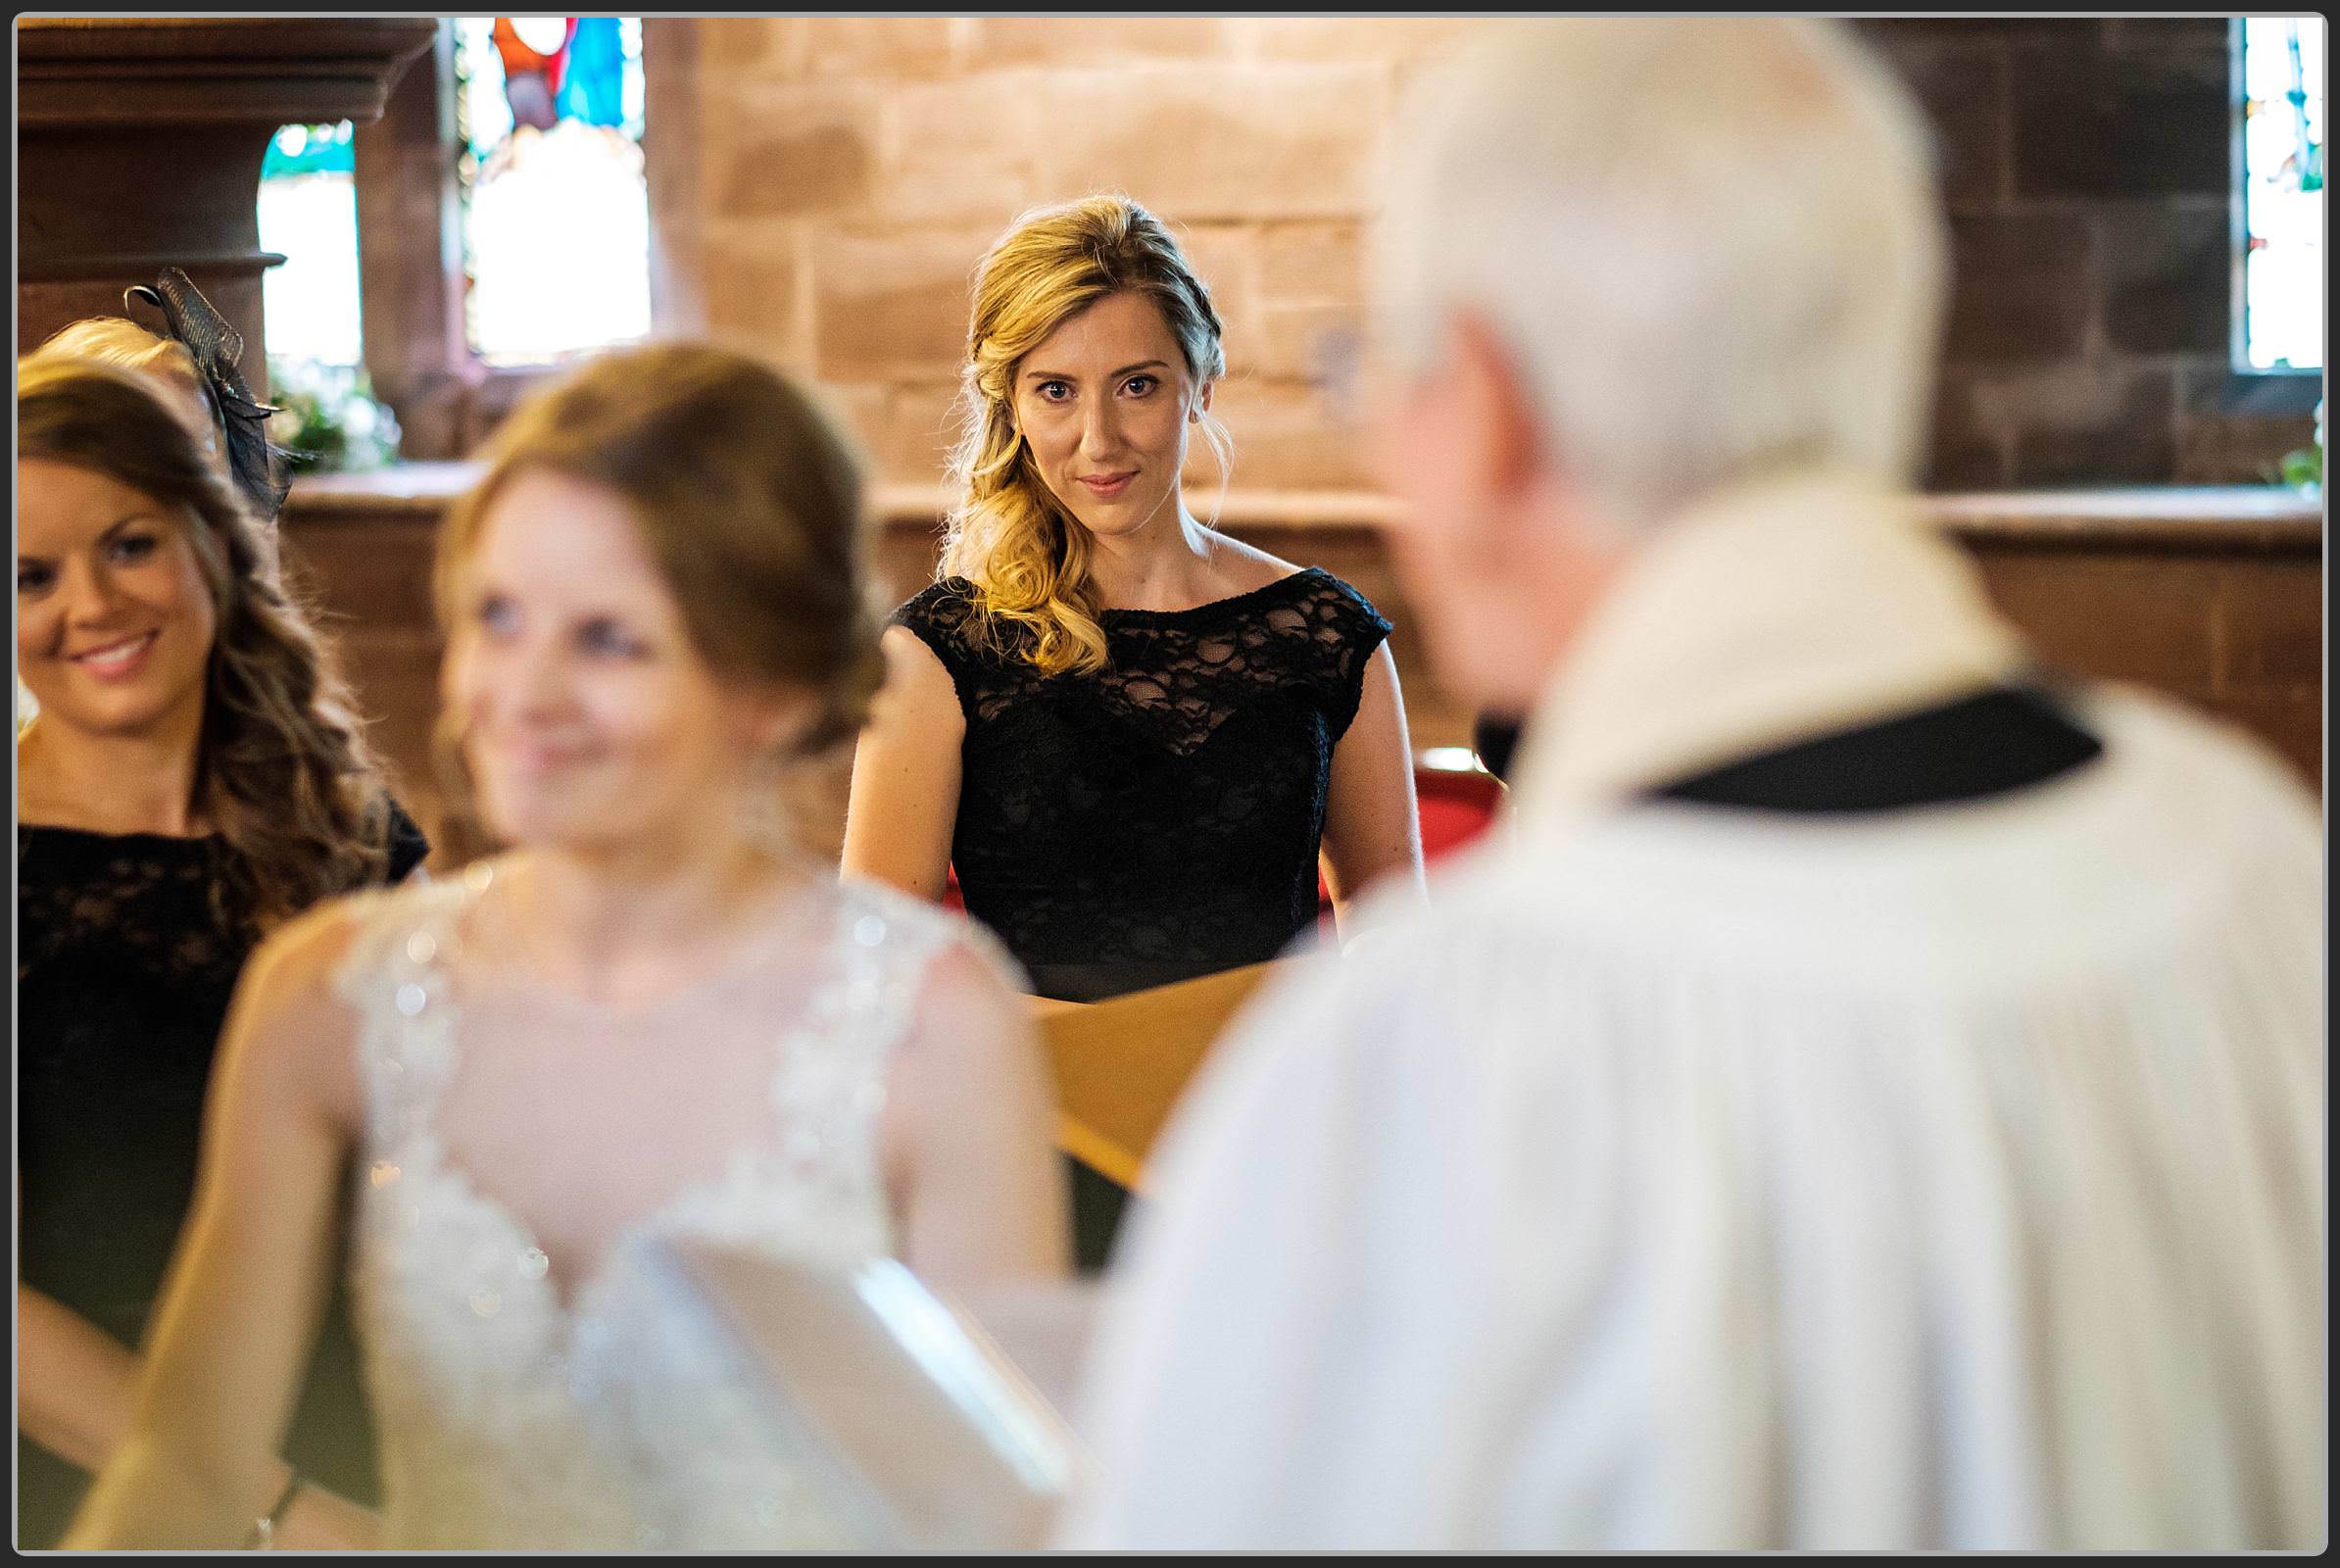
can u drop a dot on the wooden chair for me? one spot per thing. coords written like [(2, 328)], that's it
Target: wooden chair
[(1121, 1065)]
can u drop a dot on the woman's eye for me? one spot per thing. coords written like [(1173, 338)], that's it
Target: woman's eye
[(1140, 384), (1054, 391), (497, 614), (132, 548), (34, 578), (607, 638)]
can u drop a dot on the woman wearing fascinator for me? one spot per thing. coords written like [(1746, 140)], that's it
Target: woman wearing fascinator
[(199, 357), (194, 775)]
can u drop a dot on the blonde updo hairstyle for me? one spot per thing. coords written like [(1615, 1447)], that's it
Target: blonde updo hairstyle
[(748, 498), (122, 343), (1010, 536)]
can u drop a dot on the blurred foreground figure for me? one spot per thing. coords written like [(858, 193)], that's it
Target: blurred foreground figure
[(647, 1020), (1877, 1102)]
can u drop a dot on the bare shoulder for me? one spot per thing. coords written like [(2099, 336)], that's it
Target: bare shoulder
[(915, 676), (289, 1022), (1246, 569), (965, 984), (962, 973), (295, 967)]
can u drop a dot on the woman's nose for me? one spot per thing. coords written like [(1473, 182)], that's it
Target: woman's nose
[(92, 597), (536, 681), (1100, 431)]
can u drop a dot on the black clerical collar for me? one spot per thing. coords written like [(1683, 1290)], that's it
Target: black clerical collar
[(1998, 740)]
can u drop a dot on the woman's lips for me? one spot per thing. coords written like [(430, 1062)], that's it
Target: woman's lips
[(1106, 486), (538, 757), (119, 660)]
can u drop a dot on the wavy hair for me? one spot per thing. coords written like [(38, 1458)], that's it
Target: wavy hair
[(1009, 535), (749, 499), (284, 771)]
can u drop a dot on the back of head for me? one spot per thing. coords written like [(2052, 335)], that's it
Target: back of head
[(114, 340), (1714, 247), (1009, 535), (747, 496)]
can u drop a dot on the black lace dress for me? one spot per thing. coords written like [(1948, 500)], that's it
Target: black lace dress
[(1159, 820), (124, 966)]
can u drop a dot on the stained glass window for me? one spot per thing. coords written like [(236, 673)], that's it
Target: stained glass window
[(308, 216), (2282, 199), (556, 210)]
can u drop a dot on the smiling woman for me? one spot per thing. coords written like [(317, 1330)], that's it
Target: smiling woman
[(1134, 737), (192, 778)]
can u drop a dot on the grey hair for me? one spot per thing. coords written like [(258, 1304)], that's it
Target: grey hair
[(1712, 247)]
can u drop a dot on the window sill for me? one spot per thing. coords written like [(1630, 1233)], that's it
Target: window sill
[(2270, 394), (2268, 517)]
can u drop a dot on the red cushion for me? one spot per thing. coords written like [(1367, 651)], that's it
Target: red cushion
[(1454, 808)]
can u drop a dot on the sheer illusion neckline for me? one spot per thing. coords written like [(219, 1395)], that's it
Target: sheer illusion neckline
[(569, 1282), (779, 920), (1174, 618)]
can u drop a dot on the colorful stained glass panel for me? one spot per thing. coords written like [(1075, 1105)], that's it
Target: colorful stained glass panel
[(2283, 159), (556, 208)]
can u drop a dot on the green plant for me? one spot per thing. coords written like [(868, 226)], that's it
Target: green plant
[(327, 417), (2304, 469)]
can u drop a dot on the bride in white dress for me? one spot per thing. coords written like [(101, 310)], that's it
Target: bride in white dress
[(644, 1017)]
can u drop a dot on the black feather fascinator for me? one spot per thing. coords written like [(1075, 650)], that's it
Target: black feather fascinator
[(261, 468)]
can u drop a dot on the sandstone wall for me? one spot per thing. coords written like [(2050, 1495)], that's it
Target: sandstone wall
[(850, 171)]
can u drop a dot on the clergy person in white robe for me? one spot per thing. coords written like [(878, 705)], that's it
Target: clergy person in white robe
[(1877, 1102)]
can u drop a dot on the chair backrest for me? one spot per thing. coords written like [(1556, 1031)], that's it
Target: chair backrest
[(1120, 1065)]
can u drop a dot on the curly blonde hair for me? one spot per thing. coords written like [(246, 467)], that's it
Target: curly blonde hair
[(1026, 555), (283, 770)]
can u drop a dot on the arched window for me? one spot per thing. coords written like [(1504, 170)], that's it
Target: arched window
[(549, 169), (496, 221), (308, 216)]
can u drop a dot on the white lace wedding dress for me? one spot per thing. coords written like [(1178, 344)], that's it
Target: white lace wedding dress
[(537, 1391)]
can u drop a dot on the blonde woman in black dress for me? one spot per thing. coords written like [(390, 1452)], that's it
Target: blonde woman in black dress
[(1136, 738)]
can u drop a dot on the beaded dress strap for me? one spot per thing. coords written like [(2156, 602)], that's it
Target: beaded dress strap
[(396, 982)]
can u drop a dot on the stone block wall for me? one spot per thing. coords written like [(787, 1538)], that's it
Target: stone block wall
[(856, 169), (2087, 167), (850, 171)]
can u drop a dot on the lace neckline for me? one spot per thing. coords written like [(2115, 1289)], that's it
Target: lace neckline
[(1180, 617), (571, 1298)]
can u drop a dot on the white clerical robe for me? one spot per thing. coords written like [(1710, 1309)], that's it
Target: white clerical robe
[(1698, 1178)]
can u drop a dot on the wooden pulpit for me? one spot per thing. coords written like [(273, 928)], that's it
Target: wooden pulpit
[(1122, 1064)]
